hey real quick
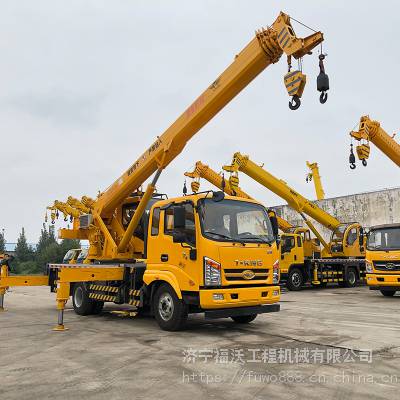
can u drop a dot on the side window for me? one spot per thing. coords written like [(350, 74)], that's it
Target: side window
[(307, 236), (155, 222), (352, 236), (190, 229), (168, 221), (298, 241)]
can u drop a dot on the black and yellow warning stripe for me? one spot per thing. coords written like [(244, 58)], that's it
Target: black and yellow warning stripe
[(134, 292), (329, 273), (103, 288), (135, 303), (102, 297)]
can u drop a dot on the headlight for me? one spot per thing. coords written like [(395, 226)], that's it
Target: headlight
[(369, 267), (212, 272), (275, 276)]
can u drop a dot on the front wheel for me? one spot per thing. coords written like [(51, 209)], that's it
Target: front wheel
[(244, 319), (170, 312), (388, 293), (295, 279)]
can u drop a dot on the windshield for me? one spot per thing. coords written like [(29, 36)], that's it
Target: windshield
[(82, 255), (338, 234), (384, 239), (238, 221)]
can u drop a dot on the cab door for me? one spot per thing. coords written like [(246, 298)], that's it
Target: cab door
[(165, 255)]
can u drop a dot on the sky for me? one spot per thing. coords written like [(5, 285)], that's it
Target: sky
[(86, 86)]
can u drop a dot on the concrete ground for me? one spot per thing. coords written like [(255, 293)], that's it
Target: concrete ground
[(310, 350)]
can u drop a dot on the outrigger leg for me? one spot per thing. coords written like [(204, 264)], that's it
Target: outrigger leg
[(62, 298)]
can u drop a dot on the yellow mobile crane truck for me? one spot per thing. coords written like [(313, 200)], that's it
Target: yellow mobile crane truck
[(383, 258), (342, 259), (201, 253), (297, 239), (383, 241)]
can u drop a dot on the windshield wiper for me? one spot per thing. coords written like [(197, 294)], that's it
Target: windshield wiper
[(258, 238), (219, 235)]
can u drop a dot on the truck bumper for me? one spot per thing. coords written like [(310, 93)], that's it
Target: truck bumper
[(238, 297), (385, 281), (240, 311)]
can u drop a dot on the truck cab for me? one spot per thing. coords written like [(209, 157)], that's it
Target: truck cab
[(383, 258), (217, 253)]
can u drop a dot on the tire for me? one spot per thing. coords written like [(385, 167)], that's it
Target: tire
[(97, 307), (387, 293), (81, 302), (170, 312), (350, 279), (295, 279), (244, 319)]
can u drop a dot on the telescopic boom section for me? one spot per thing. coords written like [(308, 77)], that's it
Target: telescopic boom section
[(371, 131), (316, 177), (204, 171), (265, 49), (280, 188)]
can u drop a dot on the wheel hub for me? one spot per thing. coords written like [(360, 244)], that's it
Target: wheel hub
[(166, 306)]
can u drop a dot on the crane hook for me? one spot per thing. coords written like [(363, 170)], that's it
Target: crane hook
[(352, 158), (322, 80), (323, 97), (184, 188), (364, 162), (295, 103)]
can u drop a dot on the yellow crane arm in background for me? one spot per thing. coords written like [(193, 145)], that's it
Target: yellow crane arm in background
[(204, 171), (281, 189), (371, 131), (314, 175)]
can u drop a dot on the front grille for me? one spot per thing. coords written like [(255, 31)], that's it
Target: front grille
[(387, 266), (237, 274)]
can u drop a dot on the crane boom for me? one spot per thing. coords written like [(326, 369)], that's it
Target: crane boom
[(280, 188), (204, 171), (371, 131), (316, 177), (265, 49)]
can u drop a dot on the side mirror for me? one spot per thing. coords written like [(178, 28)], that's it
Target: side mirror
[(274, 222), (179, 217), (361, 237), (218, 196)]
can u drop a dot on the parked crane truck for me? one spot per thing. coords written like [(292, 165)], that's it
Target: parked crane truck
[(201, 253), (296, 238), (383, 241), (341, 260)]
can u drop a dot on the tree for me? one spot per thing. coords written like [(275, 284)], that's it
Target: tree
[(2, 243), (46, 238), (23, 251)]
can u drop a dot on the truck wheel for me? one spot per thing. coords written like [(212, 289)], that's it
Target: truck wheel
[(83, 305), (388, 293), (170, 312), (295, 279), (244, 319), (350, 279)]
